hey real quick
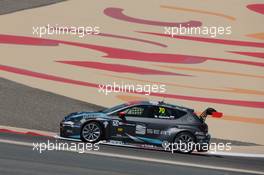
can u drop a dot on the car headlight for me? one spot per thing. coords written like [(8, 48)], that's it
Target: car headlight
[(74, 119)]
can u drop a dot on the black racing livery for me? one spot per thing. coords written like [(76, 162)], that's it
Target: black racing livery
[(139, 122)]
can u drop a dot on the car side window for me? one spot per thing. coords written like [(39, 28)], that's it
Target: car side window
[(135, 111), (167, 113), (178, 113), (162, 112), (145, 111)]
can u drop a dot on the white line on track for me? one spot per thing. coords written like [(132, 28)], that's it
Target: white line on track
[(146, 159), (233, 154)]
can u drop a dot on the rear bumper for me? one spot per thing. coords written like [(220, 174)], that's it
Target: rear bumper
[(203, 142), (203, 138)]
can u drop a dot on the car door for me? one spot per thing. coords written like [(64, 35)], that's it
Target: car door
[(138, 117), (126, 129), (145, 124), (159, 122)]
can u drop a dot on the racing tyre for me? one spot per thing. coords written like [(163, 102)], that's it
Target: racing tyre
[(91, 132), (184, 143)]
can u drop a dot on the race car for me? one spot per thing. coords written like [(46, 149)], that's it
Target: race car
[(142, 123)]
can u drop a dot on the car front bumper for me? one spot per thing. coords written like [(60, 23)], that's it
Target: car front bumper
[(70, 130)]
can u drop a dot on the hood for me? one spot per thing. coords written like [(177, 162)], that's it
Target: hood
[(83, 114)]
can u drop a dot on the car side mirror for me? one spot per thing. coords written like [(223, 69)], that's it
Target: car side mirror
[(121, 115)]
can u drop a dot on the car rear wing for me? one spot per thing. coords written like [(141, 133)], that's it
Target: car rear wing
[(210, 111)]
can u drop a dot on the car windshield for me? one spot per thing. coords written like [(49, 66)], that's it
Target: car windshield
[(108, 110)]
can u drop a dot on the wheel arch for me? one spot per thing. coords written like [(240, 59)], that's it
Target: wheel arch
[(184, 131)]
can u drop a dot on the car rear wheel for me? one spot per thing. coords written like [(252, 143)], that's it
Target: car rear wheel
[(184, 142), (91, 132)]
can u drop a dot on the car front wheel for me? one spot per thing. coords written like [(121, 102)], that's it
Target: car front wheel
[(91, 132)]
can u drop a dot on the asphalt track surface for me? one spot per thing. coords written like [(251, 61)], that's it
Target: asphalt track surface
[(20, 159), (26, 107), (10, 6)]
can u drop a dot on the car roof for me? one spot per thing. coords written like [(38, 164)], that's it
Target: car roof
[(158, 103)]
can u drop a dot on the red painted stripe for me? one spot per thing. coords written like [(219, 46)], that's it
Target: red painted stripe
[(124, 54), (253, 63), (23, 133), (210, 40), (133, 39), (140, 56), (253, 104), (118, 68), (259, 8), (65, 29), (45, 76), (10, 39), (117, 13), (110, 52), (10, 131), (252, 54)]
